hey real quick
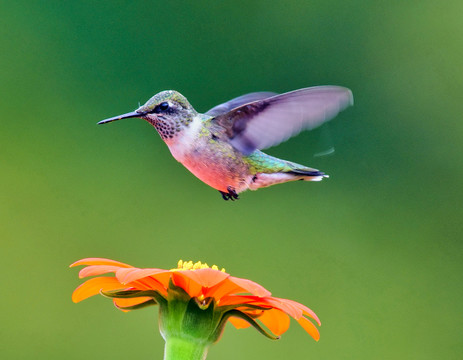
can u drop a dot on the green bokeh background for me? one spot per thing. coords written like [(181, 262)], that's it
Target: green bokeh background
[(375, 250)]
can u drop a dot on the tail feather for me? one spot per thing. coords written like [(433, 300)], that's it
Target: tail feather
[(308, 174), (261, 180), (311, 172)]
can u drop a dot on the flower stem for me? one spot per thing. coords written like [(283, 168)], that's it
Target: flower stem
[(185, 349)]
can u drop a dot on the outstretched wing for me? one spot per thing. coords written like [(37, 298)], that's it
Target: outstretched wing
[(270, 121), (241, 100)]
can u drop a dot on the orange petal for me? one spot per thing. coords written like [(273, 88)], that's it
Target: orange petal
[(163, 278), (239, 323), (148, 284), (283, 305), (240, 299), (305, 310), (198, 282), (270, 302), (309, 327), (93, 270), (191, 287), (94, 286), (225, 288), (98, 261), (128, 275), (233, 285), (206, 277), (250, 286), (275, 320)]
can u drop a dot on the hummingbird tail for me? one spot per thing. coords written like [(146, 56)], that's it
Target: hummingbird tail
[(309, 175), (261, 180)]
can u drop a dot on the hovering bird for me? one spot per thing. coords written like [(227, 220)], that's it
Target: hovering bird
[(222, 147)]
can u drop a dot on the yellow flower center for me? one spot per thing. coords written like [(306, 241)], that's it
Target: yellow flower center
[(189, 265)]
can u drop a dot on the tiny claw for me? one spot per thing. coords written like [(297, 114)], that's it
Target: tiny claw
[(232, 193), (225, 195)]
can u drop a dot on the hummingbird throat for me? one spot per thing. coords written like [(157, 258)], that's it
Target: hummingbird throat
[(167, 128)]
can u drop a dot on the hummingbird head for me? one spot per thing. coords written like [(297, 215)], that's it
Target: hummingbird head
[(168, 111)]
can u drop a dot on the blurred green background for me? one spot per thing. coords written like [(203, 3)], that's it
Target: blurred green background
[(375, 250)]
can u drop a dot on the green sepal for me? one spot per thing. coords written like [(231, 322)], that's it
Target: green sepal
[(138, 306), (128, 294), (246, 306), (198, 322), (249, 320), (176, 293)]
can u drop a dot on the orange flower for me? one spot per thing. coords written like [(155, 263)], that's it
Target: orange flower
[(233, 299)]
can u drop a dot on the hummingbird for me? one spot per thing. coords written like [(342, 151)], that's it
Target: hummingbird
[(222, 146)]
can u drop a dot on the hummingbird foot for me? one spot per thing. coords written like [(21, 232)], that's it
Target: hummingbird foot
[(225, 195), (230, 195)]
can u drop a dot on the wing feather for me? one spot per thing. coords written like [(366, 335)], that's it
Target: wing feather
[(240, 100), (269, 121)]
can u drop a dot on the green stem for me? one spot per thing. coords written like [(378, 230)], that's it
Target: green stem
[(185, 349)]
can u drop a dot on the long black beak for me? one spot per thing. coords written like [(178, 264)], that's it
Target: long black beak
[(120, 117)]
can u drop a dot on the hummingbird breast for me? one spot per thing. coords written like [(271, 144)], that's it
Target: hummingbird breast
[(212, 159)]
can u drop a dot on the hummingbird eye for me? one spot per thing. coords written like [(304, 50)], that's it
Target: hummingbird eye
[(162, 107)]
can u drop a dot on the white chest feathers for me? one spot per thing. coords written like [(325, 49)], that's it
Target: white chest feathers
[(185, 141)]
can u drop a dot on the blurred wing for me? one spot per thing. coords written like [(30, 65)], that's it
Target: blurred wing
[(241, 100), (324, 144), (268, 122)]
